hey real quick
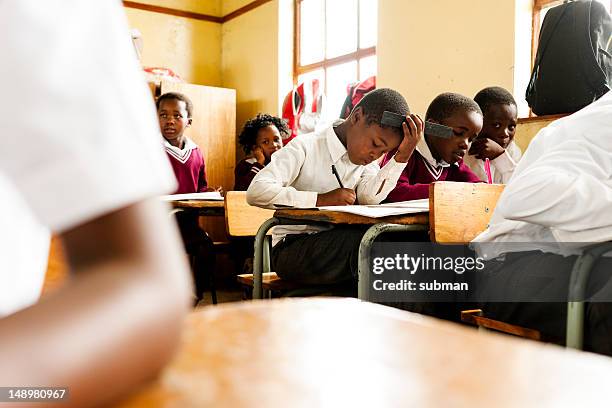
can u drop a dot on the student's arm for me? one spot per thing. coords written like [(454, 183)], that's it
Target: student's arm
[(271, 186), (504, 166), (376, 184), (202, 182), (116, 323), (404, 191), (564, 199)]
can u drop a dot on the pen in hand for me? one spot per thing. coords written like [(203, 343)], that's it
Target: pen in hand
[(335, 172)]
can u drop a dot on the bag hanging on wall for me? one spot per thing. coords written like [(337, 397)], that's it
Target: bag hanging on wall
[(573, 66)]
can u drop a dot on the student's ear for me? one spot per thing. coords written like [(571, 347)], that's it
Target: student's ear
[(189, 122), (356, 115)]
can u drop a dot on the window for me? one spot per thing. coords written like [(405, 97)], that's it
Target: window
[(335, 41)]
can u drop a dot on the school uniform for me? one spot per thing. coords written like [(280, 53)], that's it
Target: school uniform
[(69, 154), (423, 169), (315, 254), (502, 166), (245, 172), (190, 173), (558, 201), (188, 165)]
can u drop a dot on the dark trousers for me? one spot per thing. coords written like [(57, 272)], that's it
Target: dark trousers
[(325, 258), (200, 249), (535, 275)]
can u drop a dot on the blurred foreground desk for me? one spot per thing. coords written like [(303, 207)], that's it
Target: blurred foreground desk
[(347, 353)]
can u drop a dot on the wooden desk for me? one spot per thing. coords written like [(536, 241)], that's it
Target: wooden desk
[(203, 207), (397, 223), (347, 353)]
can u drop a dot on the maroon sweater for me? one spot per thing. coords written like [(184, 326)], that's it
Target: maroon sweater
[(245, 172), (414, 182), (189, 170)]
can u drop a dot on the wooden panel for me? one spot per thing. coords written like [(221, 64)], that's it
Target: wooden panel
[(460, 211), (242, 219), (527, 128), (345, 353), (57, 268), (214, 130)]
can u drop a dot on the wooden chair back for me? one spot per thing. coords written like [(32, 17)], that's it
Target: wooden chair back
[(242, 219), (458, 212)]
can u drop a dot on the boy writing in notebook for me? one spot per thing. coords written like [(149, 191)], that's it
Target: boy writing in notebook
[(440, 159), (496, 140), (300, 176)]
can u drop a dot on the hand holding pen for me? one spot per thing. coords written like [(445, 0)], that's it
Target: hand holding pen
[(339, 196)]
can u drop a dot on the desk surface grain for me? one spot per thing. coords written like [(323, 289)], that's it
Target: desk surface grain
[(198, 204), (338, 217), (342, 352)]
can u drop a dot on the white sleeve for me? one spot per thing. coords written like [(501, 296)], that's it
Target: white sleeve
[(79, 134), (271, 186), (504, 165), (563, 200), (376, 183)]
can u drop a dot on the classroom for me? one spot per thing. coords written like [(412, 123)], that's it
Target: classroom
[(306, 203)]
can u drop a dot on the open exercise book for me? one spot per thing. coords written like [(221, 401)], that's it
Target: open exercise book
[(383, 210), (207, 196)]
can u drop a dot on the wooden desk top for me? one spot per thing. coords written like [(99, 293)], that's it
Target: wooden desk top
[(197, 204), (342, 352), (337, 217)]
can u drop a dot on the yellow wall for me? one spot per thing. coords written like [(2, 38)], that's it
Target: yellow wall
[(212, 7), (426, 47), (251, 61), (228, 6), (191, 48)]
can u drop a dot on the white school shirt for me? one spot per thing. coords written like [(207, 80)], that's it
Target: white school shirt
[(502, 166), (301, 170), (78, 133), (561, 191)]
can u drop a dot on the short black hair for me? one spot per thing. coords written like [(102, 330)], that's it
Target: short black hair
[(493, 95), (375, 102), (447, 104), (248, 136), (176, 96)]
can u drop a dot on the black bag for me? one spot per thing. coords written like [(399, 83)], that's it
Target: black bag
[(573, 66)]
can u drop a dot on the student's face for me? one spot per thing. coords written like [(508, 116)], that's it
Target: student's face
[(173, 119), (499, 124), (269, 140), (367, 143), (466, 125)]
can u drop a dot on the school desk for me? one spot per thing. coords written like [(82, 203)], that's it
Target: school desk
[(458, 212), (378, 226), (347, 353), (203, 207)]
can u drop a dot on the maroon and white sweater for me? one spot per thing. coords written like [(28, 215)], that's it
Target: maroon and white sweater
[(421, 170), (188, 166), (244, 173)]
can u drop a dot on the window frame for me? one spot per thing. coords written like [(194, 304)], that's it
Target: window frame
[(325, 63)]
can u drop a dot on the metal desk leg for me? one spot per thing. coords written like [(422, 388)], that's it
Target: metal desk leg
[(578, 282), (365, 248), (258, 258)]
